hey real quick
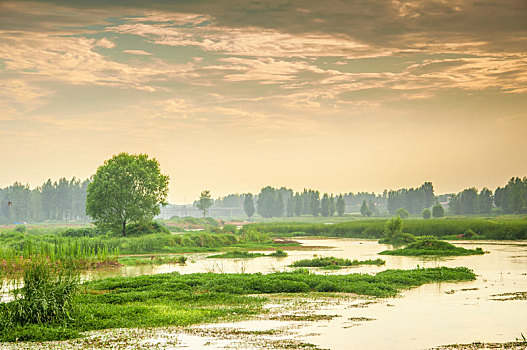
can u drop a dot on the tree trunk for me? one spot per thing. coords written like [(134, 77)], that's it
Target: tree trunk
[(124, 228)]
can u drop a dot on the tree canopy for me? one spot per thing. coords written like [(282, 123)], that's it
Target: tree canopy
[(127, 188)]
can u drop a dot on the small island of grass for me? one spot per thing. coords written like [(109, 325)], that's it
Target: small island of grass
[(432, 247), (238, 254), (331, 262)]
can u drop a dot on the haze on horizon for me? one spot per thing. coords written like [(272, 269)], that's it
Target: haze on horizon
[(338, 96)]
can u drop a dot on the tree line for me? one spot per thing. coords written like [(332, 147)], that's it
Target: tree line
[(66, 200), (59, 200)]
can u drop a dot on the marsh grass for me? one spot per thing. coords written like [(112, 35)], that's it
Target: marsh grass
[(179, 300), (239, 254), (432, 247), (483, 228), (330, 261), (45, 297)]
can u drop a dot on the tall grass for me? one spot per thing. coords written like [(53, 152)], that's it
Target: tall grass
[(46, 296), (16, 249), (514, 229)]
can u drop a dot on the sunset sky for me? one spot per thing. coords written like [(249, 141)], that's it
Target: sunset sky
[(232, 96)]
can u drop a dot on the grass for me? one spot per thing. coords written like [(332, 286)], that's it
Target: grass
[(399, 239), (482, 228), (46, 297), (238, 254), (178, 300), (95, 251), (332, 261), (432, 247), (153, 260)]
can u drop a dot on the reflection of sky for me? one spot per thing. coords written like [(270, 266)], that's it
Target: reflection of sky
[(352, 87)]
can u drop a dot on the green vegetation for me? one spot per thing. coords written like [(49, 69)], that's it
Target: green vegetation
[(438, 211), (17, 249), (426, 214), (153, 260), (399, 239), (279, 253), (248, 205), (186, 223), (402, 213), (433, 247), (364, 209), (393, 233), (174, 299), (126, 189), (238, 254), (332, 261), (46, 297), (485, 228), (204, 202)]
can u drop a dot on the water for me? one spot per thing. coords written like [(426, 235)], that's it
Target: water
[(420, 318)]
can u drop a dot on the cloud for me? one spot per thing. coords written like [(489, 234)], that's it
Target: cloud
[(137, 52), (108, 44), (250, 41), (74, 60)]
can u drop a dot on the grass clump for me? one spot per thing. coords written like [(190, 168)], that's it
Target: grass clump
[(279, 253), (153, 260), (330, 262), (177, 300), (432, 247), (45, 299), (399, 239), (236, 254), (239, 254)]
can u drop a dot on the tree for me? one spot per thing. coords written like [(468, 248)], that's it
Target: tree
[(297, 204), (205, 202), (364, 210), (438, 211), (314, 203), (341, 205), (426, 213), (324, 205), (128, 188), (402, 213), (393, 227), (332, 205), (290, 211), (248, 205)]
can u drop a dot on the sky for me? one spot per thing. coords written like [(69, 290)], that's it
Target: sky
[(341, 96)]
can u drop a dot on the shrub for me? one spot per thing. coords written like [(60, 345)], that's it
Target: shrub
[(426, 214), (229, 228), (144, 229), (403, 213), (438, 211)]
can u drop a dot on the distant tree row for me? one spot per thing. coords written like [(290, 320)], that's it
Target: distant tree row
[(277, 202), (413, 199), (60, 200), (513, 197)]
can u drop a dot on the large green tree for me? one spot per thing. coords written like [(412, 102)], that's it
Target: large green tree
[(128, 188)]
